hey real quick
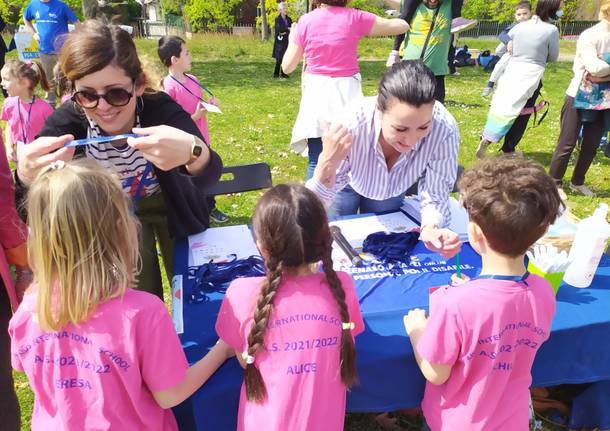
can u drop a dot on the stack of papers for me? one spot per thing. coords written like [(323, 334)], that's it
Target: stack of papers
[(220, 243)]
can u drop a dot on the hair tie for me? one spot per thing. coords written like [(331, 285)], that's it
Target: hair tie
[(248, 358), (348, 326)]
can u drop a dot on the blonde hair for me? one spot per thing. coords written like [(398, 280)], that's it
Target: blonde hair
[(604, 10), (83, 244)]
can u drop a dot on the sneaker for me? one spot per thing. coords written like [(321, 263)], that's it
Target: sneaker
[(284, 76), (487, 91), (456, 73), (562, 194), (218, 216), (582, 189), (482, 148)]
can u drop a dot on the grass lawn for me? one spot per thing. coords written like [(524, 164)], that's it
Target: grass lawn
[(259, 113)]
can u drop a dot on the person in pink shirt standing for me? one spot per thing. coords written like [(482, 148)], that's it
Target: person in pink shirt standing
[(13, 251), (98, 354), (328, 38), (22, 110), (186, 90), (477, 347), (296, 327)]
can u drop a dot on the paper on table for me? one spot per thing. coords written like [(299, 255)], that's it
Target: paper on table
[(211, 108), (357, 229), (220, 243), (459, 216)]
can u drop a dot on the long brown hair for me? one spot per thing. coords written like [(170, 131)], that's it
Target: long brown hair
[(290, 224), (95, 45)]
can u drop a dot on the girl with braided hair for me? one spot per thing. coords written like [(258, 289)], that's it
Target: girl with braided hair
[(295, 327)]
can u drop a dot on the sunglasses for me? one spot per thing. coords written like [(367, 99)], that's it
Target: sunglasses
[(114, 97)]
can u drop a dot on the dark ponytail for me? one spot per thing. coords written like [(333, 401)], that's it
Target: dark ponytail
[(410, 82)]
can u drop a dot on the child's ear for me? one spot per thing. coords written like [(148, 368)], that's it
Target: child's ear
[(475, 233), (174, 59)]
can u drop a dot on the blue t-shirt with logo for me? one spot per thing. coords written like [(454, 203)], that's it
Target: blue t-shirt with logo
[(51, 19)]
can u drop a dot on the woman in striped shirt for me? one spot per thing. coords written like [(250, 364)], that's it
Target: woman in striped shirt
[(388, 143)]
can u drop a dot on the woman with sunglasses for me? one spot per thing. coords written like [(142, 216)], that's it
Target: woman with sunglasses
[(165, 169)]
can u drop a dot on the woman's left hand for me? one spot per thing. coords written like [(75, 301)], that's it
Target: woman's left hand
[(164, 146)]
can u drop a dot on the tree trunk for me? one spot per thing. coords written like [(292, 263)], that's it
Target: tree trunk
[(264, 33)]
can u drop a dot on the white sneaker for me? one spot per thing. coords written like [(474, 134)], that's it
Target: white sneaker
[(482, 148), (562, 194), (582, 189), (456, 73), (487, 91)]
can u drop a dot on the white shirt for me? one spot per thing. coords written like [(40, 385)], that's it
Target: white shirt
[(592, 43), (433, 161)]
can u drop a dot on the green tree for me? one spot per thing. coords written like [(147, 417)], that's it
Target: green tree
[(210, 14), (173, 6), (503, 10), (12, 10)]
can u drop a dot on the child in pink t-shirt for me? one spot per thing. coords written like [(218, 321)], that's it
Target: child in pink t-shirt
[(295, 327), (22, 110), (98, 354), (185, 89), (328, 38), (477, 348)]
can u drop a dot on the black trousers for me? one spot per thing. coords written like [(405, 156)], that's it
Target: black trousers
[(10, 416), (439, 92), (570, 125), (516, 132)]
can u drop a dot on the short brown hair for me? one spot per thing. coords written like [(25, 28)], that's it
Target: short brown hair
[(512, 200), (546, 9), (524, 5)]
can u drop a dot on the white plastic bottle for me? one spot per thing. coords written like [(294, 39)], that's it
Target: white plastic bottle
[(587, 249)]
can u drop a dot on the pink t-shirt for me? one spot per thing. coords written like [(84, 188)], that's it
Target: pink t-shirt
[(100, 375), (329, 37), (25, 127), (300, 366), (489, 332), (187, 93)]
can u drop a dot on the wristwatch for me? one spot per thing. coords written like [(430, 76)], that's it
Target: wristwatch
[(196, 150)]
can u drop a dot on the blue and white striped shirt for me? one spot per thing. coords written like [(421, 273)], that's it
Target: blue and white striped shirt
[(433, 161)]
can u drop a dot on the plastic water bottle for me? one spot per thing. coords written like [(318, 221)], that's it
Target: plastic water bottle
[(587, 249)]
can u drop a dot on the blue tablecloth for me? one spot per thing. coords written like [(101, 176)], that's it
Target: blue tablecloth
[(577, 351)]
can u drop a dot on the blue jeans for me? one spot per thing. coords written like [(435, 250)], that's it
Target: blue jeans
[(314, 148), (348, 202)]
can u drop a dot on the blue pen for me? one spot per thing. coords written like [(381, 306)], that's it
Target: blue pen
[(100, 139)]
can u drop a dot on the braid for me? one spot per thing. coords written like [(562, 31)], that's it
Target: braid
[(349, 374), (255, 386)]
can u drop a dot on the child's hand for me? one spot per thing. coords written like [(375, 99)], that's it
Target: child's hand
[(457, 281), (200, 112), (415, 320), (214, 101), (224, 348)]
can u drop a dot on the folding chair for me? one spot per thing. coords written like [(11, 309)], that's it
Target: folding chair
[(244, 178)]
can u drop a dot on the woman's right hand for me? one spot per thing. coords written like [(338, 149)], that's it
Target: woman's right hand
[(336, 143), (41, 153)]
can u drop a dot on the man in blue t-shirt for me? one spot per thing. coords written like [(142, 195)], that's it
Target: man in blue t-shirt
[(52, 18)]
